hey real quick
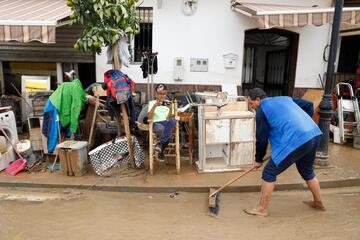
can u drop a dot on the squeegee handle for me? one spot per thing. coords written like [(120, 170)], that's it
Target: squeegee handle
[(235, 179), (231, 181)]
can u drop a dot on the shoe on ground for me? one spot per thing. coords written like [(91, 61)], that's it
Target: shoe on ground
[(158, 148), (161, 157)]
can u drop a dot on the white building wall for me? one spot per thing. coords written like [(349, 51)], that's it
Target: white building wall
[(310, 63), (215, 30)]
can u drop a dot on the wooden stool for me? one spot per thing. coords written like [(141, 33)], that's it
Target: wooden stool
[(188, 118)]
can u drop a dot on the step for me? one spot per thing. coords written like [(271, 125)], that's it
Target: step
[(351, 123)]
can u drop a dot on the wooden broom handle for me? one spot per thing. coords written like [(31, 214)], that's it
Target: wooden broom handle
[(236, 178)]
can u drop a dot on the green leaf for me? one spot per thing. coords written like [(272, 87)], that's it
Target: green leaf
[(114, 39), (116, 12), (107, 12), (128, 29), (124, 12), (104, 22)]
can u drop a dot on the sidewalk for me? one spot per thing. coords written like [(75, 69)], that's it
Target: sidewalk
[(344, 171)]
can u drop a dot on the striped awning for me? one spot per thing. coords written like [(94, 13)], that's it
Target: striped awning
[(272, 15), (31, 20)]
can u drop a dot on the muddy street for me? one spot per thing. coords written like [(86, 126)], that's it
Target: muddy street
[(73, 214)]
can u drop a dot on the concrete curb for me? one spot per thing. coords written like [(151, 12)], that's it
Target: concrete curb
[(351, 182)]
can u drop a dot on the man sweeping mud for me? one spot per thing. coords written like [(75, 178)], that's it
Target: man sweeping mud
[(293, 136)]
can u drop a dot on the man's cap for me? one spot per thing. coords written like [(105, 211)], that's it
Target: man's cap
[(160, 87)]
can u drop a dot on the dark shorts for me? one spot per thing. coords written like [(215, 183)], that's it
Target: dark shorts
[(303, 157)]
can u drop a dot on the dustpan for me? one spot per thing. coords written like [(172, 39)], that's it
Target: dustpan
[(16, 167)]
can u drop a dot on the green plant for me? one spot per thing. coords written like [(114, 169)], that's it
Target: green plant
[(104, 22)]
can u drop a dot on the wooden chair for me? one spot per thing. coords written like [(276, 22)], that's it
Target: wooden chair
[(188, 120), (173, 149)]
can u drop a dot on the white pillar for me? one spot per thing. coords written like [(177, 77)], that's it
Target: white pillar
[(59, 73), (2, 80)]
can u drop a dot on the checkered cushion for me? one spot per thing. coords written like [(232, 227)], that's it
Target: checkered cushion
[(115, 153)]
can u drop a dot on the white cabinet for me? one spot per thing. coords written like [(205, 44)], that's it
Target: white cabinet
[(226, 138), (215, 130)]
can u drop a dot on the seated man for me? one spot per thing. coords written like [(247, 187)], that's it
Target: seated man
[(160, 111)]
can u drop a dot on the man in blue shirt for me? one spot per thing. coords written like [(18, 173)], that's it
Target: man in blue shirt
[(293, 136)]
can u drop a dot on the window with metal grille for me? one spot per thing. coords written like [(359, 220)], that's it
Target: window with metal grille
[(143, 41)]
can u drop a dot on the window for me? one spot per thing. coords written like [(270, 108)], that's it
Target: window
[(143, 41)]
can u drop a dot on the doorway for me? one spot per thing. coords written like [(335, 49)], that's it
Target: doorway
[(87, 75), (269, 61)]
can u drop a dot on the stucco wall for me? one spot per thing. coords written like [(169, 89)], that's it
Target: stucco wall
[(310, 63), (215, 30)]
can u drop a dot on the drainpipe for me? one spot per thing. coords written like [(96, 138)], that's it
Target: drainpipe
[(326, 106)]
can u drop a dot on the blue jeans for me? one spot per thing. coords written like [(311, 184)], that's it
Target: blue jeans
[(164, 130), (303, 157)]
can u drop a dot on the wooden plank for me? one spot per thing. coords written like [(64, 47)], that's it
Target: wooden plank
[(124, 112), (212, 200), (177, 140), (217, 131), (231, 107), (229, 144), (99, 91), (203, 139), (93, 123), (315, 96), (228, 169), (228, 115), (151, 148), (90, 112), (191, 140), (243, 153), (242, 130)]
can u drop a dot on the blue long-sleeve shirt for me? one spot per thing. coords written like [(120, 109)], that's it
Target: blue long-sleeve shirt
[(263, 130)]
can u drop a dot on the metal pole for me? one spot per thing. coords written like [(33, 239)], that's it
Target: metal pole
[(152, 76), (148, 81), (325, 107)]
